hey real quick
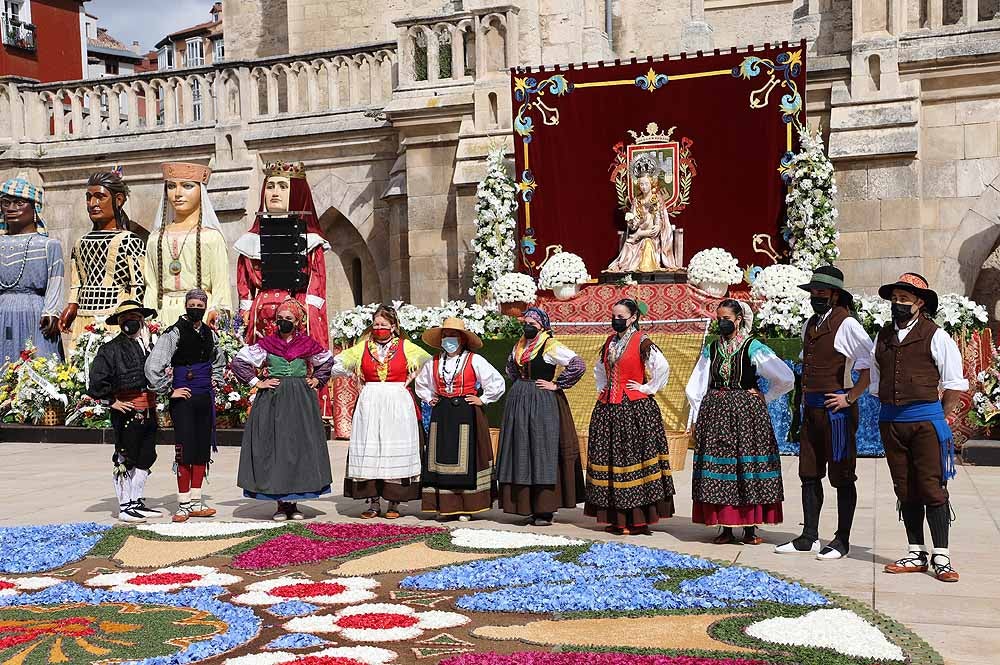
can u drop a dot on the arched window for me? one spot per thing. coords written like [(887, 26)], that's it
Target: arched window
[(494, 113), (875, 71)]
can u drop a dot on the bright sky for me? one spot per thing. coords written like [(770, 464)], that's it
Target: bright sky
[(147, 21)]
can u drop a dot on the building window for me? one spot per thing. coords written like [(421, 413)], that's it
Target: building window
[(196, 99), (218, 50), (111, 67), (165, 57), (17, 29), (194, 56)]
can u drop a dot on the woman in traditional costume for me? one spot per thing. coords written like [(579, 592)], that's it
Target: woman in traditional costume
[(457, 477), (629, 485), (539, 457), (284, 457), (186, 364), (736, 480), (31, 274), (186, 248), (383, 460)]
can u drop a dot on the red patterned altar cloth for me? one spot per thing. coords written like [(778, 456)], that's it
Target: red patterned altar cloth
[(666, 302), (977, 353)]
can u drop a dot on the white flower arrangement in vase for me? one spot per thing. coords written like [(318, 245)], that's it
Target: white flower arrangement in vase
[(714, 270), (959, 315), (563, 273), (786, 307), (514, 288)]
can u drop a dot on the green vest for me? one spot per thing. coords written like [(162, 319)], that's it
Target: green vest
[(278, 366)]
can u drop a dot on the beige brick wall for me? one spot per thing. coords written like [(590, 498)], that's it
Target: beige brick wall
[(315, 25)]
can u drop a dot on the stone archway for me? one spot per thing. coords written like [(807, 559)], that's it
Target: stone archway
[(342, 273), (971, 263)]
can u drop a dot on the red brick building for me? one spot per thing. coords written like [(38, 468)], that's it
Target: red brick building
[(43, 39)]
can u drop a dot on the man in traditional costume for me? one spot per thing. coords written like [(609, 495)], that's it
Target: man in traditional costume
[(285, 190), (457, 479), (107, 262), (833, 345), (186, 248), (117, 377), (186, 363), (383, 460), (284, 456), (913, 361), (31, 274)]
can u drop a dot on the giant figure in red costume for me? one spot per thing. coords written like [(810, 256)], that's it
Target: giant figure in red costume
[(285, 190)]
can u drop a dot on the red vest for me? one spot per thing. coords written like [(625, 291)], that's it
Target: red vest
[(465, 380), (628, 368), (398, 371)]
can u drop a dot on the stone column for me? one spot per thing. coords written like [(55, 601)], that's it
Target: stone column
[(697, 35), (806, 24), (970, 15)]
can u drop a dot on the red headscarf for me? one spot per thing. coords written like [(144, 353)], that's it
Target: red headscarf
[(300, 199)]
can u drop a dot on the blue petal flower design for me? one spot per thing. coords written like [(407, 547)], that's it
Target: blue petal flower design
[(37, 549), (292, 608), (243, 624), (633, 559), (296, 641), (743, 584)]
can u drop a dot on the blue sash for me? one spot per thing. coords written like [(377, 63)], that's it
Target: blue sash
[(838, 422), (933, 413)]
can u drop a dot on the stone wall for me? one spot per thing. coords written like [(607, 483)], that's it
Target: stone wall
[(255, 28), (315, 25)]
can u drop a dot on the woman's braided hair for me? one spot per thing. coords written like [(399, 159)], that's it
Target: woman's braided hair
[(159, 250)]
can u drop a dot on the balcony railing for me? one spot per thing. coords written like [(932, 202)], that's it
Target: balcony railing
[(18, 34)]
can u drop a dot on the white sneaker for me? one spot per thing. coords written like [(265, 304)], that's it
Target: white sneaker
[(464, 518), (141, 508), (830, 553), (130, 516), (789, 548)]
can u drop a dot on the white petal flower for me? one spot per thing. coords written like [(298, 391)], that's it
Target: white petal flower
[(840, 630), (340, 591), (488, 539), (164, 579), (12, 586), (377, 622)]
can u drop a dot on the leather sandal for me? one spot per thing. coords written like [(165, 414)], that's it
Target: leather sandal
[(916, 562), (371, 513), (392, 513), (943, 572), (756, 540)]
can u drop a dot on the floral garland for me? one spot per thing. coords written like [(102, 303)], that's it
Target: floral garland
[(494, 244), (348, 326), (811, 217)]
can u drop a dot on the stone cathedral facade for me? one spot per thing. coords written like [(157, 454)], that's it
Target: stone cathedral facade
[(394, 104)]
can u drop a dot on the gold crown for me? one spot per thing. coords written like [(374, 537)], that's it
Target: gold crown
[(285, 169), (652, 134)]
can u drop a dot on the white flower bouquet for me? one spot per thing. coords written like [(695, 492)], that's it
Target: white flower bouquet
[(496, 208), (985, 410), (959, 315), (786, 307), (714, 265), (564, 268), (873, 313), (347, 326), (515, 287), (780, 281), (811, 216)]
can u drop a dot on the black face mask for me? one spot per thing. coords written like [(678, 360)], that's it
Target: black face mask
[(285, 326), (131, 326), (530, 331), (619, 325), (902, 312), (820, 305), (726, 327), (195, 313)]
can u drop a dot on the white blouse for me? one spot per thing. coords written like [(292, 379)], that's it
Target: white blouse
[(488, 378)]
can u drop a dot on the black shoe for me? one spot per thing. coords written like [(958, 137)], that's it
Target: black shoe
[(127, 514), (836, 549)]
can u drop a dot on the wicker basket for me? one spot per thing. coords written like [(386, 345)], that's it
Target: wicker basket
[(163, 419), (678, 442), (583, 440), (55, 415)]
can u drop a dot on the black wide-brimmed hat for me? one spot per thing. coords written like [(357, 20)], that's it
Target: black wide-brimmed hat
[(829, 277), (915, 284), (129, 306)]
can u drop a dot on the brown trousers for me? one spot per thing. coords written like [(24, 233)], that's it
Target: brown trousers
[(816, 447), (914, 456)]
